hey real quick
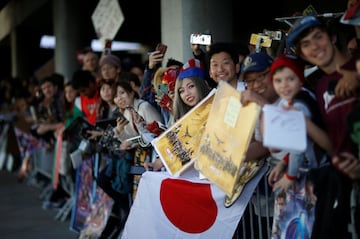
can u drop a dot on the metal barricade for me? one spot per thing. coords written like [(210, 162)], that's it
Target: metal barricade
[(256, 222)]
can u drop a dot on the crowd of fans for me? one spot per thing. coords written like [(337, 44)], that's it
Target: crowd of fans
[(51, 117)]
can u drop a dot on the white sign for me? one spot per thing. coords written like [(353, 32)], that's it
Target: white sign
[(284, 129), (107, 19)]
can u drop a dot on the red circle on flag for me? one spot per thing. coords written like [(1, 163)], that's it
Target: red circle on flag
[(188, 206)]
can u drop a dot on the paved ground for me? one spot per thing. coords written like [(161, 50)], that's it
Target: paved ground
[(21, 215)]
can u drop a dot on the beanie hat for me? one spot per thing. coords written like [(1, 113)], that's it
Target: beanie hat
[(169, 78), (192, 68), (288, 61), (301, 25), (256, 62), (110, 59)]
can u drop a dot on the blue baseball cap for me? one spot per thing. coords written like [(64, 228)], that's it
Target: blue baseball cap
[(299, 27), (256, 62)]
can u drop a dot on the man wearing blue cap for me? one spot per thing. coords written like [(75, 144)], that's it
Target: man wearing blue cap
[(259, 89), (255, 72), (310, 40)]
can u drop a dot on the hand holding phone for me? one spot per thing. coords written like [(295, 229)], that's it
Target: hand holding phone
[(162, 48), (200, 39), (162, 89), (265, 41), (107, 48)]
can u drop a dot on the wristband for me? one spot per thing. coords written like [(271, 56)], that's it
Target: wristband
[(286, 159), (290, 177)]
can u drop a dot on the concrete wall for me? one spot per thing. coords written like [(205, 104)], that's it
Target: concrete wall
[(181, 18), (225, 20)]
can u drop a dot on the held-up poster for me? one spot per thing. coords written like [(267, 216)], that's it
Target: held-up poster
[(225, 140), (92, 206), (178, 145)]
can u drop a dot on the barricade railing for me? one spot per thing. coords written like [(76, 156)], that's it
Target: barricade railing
[(256, 222)]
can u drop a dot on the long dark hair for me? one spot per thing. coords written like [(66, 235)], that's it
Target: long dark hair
[(180, 108), (104, 107), (127, 87), (68, 107)]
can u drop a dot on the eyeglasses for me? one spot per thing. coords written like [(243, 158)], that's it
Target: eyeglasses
[(259, 78)]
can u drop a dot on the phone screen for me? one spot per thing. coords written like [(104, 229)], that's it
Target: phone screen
[(265, 41), (201, 39), (162, 48), (162, 89), (107, 48)]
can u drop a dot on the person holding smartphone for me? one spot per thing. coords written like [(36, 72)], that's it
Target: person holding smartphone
[(197, 43), (115, 179), (148, 89), (164, 83)]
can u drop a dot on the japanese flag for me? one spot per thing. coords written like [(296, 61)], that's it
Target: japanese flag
[(177, 208)]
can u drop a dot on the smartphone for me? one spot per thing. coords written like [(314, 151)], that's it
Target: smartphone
[(162, 48), (162, 89), (107, 48), (274, 35), (201, 39), (265, 41), (118, 114)]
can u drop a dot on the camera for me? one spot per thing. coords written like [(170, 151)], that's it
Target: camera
[(117, 114), (84, 134), (265, 41), (201, 39), (78, 128), (104, 123), (107, 140)]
